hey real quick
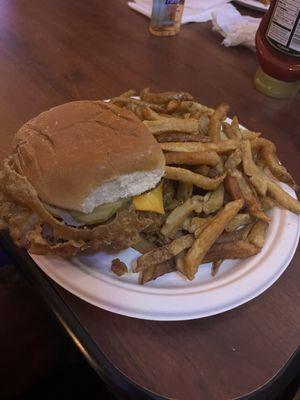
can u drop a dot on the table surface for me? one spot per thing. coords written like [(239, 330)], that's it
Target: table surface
[(54, 51)]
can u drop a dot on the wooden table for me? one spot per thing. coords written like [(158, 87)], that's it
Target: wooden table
[(53, 51)]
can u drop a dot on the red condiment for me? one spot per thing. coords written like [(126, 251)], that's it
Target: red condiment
[(278, 49)]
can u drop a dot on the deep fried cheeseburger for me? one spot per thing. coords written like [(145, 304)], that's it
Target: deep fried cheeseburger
[(79, 177)]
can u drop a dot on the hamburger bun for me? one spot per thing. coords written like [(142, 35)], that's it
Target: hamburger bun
[(82, 154)]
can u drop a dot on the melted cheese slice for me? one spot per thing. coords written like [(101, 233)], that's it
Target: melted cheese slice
[(150, 201)]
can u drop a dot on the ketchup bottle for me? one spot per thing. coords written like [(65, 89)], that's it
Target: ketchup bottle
[(278, 50)]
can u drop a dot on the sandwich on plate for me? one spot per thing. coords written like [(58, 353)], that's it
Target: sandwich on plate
[(82, 175)]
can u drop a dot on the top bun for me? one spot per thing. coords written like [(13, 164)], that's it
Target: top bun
[(85, 153)]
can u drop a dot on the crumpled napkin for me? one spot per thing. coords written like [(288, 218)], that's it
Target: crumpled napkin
[(194, 10), (236, 29)]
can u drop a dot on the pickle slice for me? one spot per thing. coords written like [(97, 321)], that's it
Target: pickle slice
[(101, 213)]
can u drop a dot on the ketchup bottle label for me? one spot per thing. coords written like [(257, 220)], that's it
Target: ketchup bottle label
[(284, 28)]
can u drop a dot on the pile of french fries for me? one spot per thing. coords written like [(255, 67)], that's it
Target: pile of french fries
[(220, 181)]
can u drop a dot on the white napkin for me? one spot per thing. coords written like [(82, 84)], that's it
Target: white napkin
[(194, 10), (235, 28)]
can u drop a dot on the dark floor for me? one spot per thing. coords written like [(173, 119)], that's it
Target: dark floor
[(76, 381)]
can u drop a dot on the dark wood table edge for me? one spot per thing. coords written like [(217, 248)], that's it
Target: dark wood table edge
[(97, 360)]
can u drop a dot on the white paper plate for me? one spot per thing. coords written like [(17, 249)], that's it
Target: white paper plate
[(171, 297), (253, 4)]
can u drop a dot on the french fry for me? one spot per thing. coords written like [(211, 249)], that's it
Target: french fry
[(202, 170), (203, 124), (143, 245), (226, 127), (260, 184), (283, 198), (194, 158), (155, 271), (275, 191), (233, 236), (191, 106), (257, 178), (162, 254), (232, 187), (184, 175), (235, 126), (172, 106), (268, 153), (249, 135), (215, 267), (227, 237), (243, 233), (179, 262), (215, 123), (220, 147), (254, 207), (176, 218), (219, 168), (164, 97), (201, 227), (203, 151), (150, 114), (202, 108), (208, 236), (215, 201), (232, 130), (233, 160), (195, 223), (257, 234), (238, 221), (180, 137), (128, 93), (230, 251), (123, 101), (249, 166), (138, 111), (172, 124), (267, 203), (260, 162)]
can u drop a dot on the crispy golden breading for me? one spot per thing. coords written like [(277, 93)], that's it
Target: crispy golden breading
[(118, 267), (120, 232)]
